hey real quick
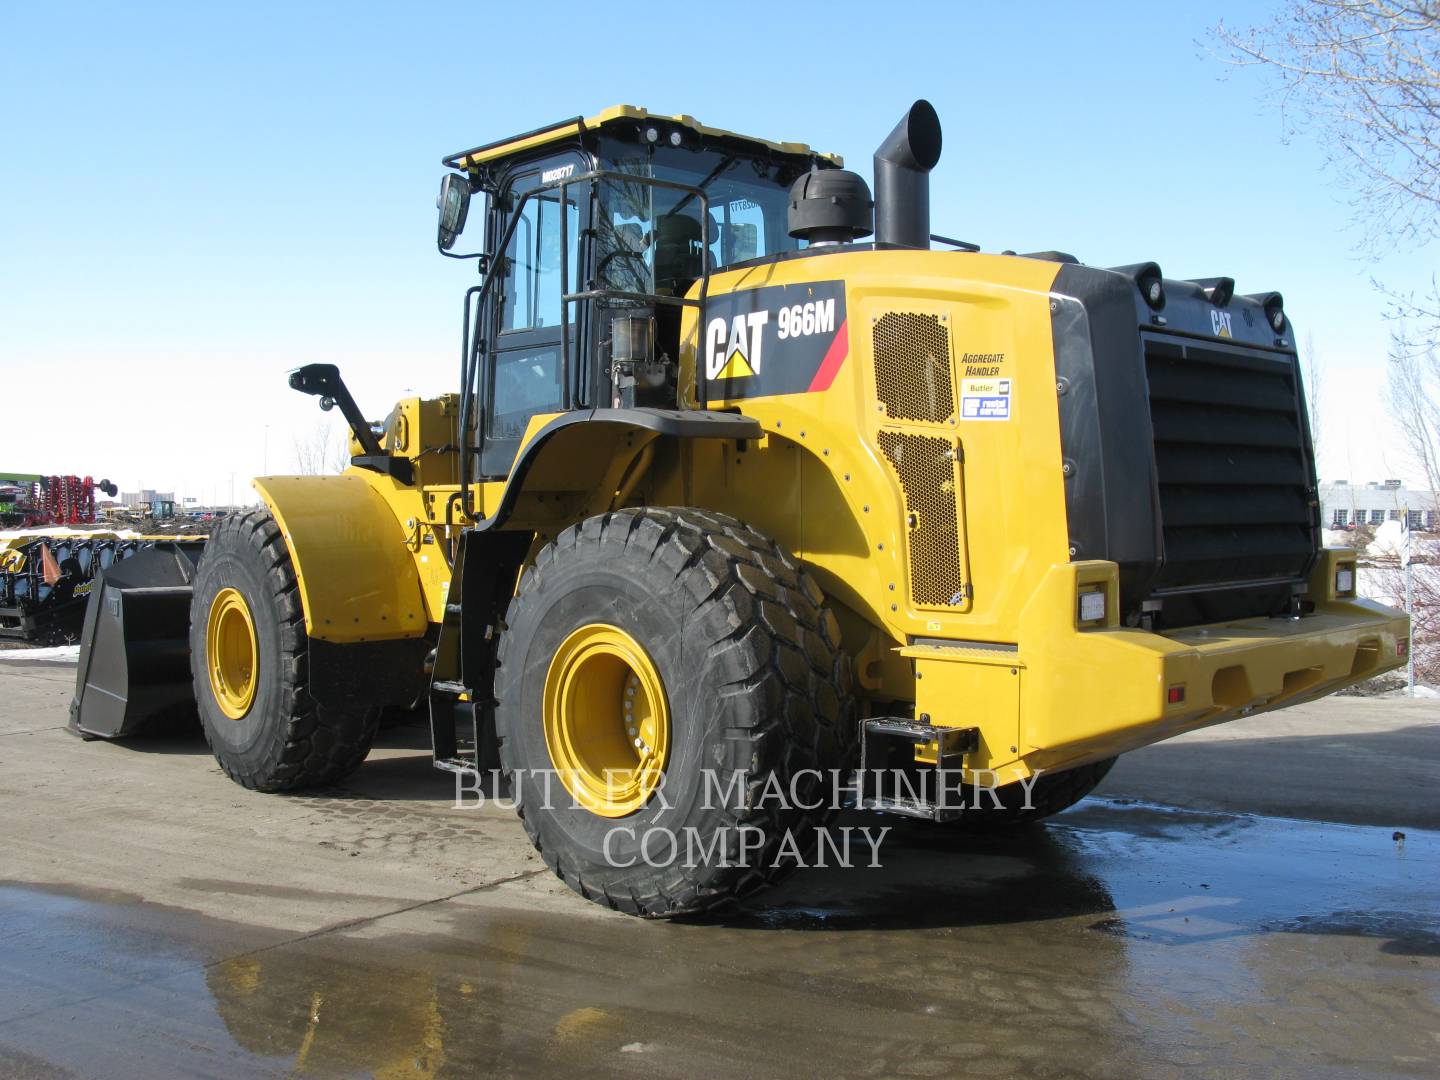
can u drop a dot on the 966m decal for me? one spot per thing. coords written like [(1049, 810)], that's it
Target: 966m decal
[(781, 339)]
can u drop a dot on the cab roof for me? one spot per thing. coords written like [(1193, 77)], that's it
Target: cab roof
[(612, 117)]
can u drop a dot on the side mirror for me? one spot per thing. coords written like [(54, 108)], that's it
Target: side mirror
[(454, 204)]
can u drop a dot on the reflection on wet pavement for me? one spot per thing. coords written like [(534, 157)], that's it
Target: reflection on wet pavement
[(1124, 940)]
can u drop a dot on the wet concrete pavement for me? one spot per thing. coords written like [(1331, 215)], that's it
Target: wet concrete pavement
[(163, 922)]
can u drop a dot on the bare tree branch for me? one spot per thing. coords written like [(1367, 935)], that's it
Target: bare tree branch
[(1313, 377), (1417, 318), (324, 452), (1365, 74), (1413, 387)]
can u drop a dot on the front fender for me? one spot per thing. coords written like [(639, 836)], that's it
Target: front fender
[(357, 578)]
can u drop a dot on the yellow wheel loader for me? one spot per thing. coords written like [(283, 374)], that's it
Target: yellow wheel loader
[(738, 516)]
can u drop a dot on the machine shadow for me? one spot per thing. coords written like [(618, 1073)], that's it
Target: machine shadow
[(933, 876), (401, 768), (178, 733)]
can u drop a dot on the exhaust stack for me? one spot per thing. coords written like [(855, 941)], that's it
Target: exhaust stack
[(902, 178)]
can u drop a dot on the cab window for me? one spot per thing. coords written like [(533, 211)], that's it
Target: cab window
[(532, 284), (649, 239), (527, 381), (525, 375)]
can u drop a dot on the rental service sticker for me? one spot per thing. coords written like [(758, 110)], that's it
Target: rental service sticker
[(985, 399)]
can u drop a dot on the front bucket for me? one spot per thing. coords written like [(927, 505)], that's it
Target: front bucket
[(135, 644)]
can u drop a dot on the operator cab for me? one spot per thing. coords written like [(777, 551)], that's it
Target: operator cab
[(597, 232)]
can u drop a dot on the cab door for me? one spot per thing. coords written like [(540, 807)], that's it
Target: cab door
[(525, 370)]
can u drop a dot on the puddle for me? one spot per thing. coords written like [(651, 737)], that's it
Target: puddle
[(1123, 940)]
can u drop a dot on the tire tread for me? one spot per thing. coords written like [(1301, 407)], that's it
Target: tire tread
[(321, 745), (795, 647)]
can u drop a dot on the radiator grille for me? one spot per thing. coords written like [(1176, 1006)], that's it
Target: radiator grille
[(1232, 463), (912, 367), (926, 468)]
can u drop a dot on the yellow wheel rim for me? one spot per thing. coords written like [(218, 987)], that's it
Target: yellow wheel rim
[(231, 653), (607, 723)]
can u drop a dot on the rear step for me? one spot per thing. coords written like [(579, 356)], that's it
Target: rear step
[(895, 779)]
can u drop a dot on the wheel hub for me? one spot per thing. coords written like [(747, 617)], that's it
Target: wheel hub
[(607, 721), (232, 656)]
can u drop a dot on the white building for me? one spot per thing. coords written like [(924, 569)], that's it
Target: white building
[(1344, 505), (146, 497)]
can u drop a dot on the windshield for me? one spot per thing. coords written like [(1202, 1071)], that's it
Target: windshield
[(649, 239)]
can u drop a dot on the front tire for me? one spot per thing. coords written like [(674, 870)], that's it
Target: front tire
[(249, 661), (671, 666)]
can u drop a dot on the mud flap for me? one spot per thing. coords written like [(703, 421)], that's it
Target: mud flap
[(135, 645)]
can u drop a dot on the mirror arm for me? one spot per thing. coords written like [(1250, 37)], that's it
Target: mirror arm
[(482, 256), (323, 381)]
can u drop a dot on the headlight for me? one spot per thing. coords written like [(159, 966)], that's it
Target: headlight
[(1092, 606), (1345, 581)]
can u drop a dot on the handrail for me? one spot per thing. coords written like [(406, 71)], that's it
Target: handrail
[(567, 297), (465, 377)]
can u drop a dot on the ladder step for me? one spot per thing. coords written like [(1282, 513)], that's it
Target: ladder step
[(454, 609), (916, 808), (459, 763), (444, 686)]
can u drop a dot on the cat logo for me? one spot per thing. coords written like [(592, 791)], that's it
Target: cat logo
[(777, 339), (739, 354), (1220, 323)]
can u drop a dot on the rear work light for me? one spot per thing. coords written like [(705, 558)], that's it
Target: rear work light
[(1345, 581)]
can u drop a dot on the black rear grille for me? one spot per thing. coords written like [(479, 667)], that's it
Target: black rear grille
[(1232, 461)]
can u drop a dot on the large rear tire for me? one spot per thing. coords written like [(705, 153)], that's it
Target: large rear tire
[(249, 661), (672, 666), (1049, 795)]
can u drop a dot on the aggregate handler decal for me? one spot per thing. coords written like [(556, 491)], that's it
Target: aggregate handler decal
[(782, 339)]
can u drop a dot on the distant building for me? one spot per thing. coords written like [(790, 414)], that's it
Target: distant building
[(149, 497), (1344, 505)]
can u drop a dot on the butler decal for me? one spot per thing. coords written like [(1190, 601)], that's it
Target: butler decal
[(782, 339)]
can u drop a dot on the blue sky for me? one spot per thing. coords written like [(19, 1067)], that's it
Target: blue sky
[(196, 198)]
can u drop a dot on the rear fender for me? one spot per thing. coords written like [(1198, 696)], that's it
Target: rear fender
[(564, 469)]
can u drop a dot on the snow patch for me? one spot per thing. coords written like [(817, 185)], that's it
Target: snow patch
[(67, 530), (65, 654)]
